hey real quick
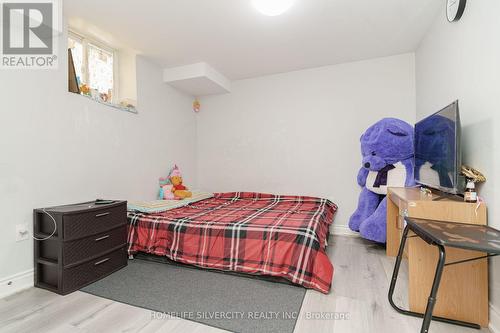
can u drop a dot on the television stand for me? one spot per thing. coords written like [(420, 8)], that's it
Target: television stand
[(463, 294)]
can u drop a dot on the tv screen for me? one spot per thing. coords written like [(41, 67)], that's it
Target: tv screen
[(437, 150)]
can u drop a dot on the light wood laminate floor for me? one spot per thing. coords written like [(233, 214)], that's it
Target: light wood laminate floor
[(361, 281)]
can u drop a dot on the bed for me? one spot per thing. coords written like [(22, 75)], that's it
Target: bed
[(244, 232)]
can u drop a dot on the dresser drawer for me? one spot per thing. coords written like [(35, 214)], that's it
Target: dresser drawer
[(80, 250), (79, 276), (93, 222)]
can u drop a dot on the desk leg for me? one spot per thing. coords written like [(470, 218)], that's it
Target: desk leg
[(432, 298), (393, 233), (395, 273), (434, 290)]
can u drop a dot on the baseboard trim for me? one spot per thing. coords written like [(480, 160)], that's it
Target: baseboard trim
[(494, 319), (15, 283), (341, 230)]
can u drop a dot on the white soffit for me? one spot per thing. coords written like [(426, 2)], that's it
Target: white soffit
[(197, 79)]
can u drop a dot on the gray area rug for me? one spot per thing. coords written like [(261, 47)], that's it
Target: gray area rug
[(234, 303)]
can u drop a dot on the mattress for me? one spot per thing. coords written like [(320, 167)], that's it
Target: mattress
[(245, 232)]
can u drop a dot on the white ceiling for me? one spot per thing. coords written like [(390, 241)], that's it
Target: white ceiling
[(238, 41)]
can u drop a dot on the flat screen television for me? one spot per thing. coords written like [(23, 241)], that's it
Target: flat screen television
[(438, 158)]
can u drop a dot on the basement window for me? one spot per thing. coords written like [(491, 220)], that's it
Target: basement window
[(93, 71)]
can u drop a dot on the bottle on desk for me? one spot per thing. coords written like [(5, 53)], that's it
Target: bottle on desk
[(470, 194)]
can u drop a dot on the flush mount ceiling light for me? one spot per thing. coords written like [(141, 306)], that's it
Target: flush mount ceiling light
[(272, 7)]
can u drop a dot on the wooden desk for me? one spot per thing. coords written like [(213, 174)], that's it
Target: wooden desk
[(463, 294)]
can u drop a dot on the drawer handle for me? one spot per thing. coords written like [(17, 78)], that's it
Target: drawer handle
[(101, 238), (101, 262), (102, 214)]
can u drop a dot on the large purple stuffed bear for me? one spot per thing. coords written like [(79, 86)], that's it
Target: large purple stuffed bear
[(387, 149)]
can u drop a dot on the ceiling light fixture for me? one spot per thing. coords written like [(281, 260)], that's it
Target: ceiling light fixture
[(272, 7)]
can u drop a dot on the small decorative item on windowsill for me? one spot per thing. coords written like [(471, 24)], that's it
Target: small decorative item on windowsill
[(196, 106), (94, 93), (85, 89), (473, 176), (128, 104)]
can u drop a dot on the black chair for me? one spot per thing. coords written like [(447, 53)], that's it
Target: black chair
[(445, 234)]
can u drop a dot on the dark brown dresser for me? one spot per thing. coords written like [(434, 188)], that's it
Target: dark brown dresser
[(89, 243)]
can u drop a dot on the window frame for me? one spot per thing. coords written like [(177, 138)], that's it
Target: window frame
[(85, 41)]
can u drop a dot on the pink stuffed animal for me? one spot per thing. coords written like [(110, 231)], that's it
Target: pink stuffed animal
[(166, 189)]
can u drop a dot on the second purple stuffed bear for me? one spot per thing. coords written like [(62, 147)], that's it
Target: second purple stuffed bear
[(387, 149)]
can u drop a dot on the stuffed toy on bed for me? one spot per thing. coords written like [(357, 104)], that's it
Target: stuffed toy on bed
[(165, 189), (171, 188), (387, 149), (180, 191)]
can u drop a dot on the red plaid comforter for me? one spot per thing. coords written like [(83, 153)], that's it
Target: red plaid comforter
[(252, 233)]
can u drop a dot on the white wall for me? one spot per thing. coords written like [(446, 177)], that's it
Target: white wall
[(298, 132), (59, 147), (462, 60)]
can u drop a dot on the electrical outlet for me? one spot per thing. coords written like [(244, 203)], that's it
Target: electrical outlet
[(22, 232)]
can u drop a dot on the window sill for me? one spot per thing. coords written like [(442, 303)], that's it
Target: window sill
[(112, 105)]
